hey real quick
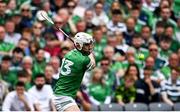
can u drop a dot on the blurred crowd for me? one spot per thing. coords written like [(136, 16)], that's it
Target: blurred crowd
[(137, 51)]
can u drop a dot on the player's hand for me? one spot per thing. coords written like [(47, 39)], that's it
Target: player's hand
[(93, 62), (79, 95)]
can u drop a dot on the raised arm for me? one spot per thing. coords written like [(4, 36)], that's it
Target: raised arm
[(92, 63)]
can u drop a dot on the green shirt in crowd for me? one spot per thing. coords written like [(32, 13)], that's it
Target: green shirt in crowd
[(166, 71), (6, 47), (9, 77), (38, 67), (98, 49), (110, 79), (99, 91), (176, 8), (124, 94), (164, 54)]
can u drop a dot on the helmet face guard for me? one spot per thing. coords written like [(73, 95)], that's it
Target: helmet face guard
[(82, 39)]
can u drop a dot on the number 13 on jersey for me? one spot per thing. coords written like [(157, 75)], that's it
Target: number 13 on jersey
[(66, 67)]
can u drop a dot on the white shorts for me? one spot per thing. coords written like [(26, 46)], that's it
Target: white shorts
[(63, 102)]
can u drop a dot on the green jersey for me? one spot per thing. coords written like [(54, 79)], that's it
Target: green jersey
[(73, 68)]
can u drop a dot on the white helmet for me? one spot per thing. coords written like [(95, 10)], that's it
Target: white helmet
[(82, 38)]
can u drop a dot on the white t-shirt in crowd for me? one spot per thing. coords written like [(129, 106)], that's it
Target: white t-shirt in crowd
[(12, 102), (42, 97)]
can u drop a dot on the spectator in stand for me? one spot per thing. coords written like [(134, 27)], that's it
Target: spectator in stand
[(112, 40), (4, 91), (37, 34), (33, 46), (42, 101), (26, 14), (57, 4), (108, 75), (116, 5), (162, 4), (164, 50), (116, 24), (35, 6), (75, 16), (133, 71), (16, 18), (169, 32), (149, 5), (51, 48), (5, 48), (129, 59), (99, 44), (17, 57), (159, 30), (109, 53), (126, 93), (23, 77), (3, 15), (165, 14), (88, 4), (46, 6), (130, 24), (58, 21), (121, 46), (88, 15), (81, 26), (170, 92), (11, 5), (179, 54), (39, 62), (55, 63), (104, 30), (27, 65), (49, 72), (149, 62), (27, 34), (18, 100), (5, 73), (67, 24), (99, 92), (177, 30), (137, 43), (11, 36), (165, 72), (153, 51), (100, 17), (147, 89), (23, 44), (141, 16), (146, 36)]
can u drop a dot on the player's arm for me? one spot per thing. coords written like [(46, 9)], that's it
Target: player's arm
[(92, 62)]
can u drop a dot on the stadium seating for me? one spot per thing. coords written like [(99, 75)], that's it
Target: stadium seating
[(94, 108), (136, 107), (176, 106), (111, 107), (160, 106)]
